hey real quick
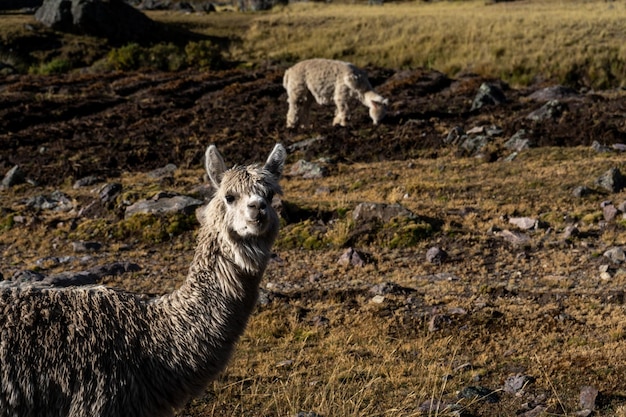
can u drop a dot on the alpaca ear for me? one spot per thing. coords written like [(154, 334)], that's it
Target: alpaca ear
[(214, 165), (276, 161)]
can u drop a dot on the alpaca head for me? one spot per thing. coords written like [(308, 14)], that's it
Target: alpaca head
[(377, 105), (244, 194)]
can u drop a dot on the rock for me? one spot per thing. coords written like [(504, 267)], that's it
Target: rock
[(303, 145), (515, 238), (456, 136), (109, 192), (610, 212), (436, 255), (582, 191), (166, 171), (56, 201), (479, 393), (524, 223), (516, 383), (14, 176), (474, 144), (352, 257), (307, 170), (554, 92), (488, 94), (382, 212), (164, 205), (615, 254), (612, 180), (551, 110), (437, 321), (111, 19), (385, 288), (86, 246), (570, 231), (588, 395), (536, 411), (518, 142), (596, 146), (86, 181)]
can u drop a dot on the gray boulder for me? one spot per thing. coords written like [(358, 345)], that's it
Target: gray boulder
[(111, 19)]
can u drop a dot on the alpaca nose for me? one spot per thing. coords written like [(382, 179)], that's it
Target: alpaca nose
[(257, 208)]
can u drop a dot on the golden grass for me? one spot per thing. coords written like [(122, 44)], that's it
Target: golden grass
[(565, 40)]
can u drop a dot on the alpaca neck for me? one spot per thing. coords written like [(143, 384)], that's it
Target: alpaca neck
[(199, 323)]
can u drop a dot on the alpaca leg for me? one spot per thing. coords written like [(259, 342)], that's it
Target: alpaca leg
[(341, 102)]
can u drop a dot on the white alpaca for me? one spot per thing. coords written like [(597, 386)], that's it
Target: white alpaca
[(95, 351), (329, 81)]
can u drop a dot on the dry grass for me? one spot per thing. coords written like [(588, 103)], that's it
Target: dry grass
[(572, 41), (542, 309)]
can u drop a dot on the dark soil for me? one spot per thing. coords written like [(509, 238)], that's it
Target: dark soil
[(56, 127)]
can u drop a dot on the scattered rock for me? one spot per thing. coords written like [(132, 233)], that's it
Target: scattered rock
[(588, 395), (113, 19), (516, 383), (609, 212), (456, 136), (86, 181), (479, 393), (307, 170), (56, 201), (303, 145), (551, 110), (352, 257), (518, 142), (554, 92), (385, 288), (382, 212), (524, 223), (596, 146), (166, 171), (109, 192), (86, 246), (612, 180), (488, 94), (615, 254), (570, 231), (536, 411), (164, 205), (436, 255), (582, 191), (515, 238), (15, 176)]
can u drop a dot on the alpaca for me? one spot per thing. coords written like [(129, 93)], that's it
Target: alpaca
[(327, 80), (96, 351)]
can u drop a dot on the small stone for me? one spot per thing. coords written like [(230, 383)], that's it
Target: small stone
[(436, 255), (524, 223), (612, 180), (516, 383), (610, 212), (582, 191), (378, 299), (86, 246), (615, 254), (351, 257), (15, 176), (588, 395)]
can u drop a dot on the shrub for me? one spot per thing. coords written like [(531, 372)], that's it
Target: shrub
[(56, 66), (204, 55)]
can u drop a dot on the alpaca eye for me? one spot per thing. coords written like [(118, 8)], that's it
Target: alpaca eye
[(229, 198)]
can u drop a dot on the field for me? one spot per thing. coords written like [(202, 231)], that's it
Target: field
[(399, 335)]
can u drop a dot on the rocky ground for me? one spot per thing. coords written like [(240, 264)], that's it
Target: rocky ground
[(117, 133)]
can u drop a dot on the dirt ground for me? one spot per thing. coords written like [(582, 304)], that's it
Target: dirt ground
[(57, 127), (62, 128)]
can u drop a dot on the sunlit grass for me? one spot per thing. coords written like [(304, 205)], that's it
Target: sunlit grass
[(572, 41)]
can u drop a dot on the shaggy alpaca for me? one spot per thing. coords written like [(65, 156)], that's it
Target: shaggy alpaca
[(95, 351), (326, 81)]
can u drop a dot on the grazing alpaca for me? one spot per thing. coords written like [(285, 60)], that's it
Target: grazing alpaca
[(326, 81), (95, 351)]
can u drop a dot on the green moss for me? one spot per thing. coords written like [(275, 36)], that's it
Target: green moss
[(55, 66), (406, 232), (143, 227), (7, 222)]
